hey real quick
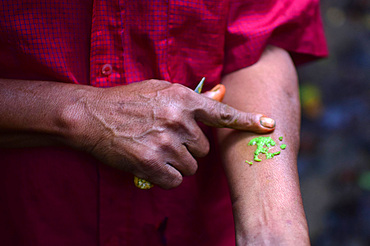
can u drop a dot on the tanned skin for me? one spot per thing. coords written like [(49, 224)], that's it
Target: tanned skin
[(266, 198)]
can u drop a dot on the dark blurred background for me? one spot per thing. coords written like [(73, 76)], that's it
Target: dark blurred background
[(334, 160)]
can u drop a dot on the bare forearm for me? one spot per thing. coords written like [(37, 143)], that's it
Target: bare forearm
[(266, 198), (36, 113)]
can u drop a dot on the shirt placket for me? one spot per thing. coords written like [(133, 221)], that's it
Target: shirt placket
[(106, 54), (106, 70)]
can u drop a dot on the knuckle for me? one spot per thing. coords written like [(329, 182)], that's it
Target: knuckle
[(228, 115), (192, 168), (148, 160), (197, 144), (173, 115), (180, 89), (205, 149), (173, 181), (183, 94), (157, 82), (250, 119), (152, 81), (201, 147), (165, 141), (170, 114)]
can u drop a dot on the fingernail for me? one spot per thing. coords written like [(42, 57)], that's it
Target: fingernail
[(267, 122), (216, 88), (216, 93)]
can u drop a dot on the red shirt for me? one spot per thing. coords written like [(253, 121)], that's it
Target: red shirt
[(59, 196)]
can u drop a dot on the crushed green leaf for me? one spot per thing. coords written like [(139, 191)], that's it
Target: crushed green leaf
[(263, 146)]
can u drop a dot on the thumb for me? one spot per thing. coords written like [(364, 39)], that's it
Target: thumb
[(217, 93)]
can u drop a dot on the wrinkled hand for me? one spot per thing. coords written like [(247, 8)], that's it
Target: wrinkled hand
[(150, 128)]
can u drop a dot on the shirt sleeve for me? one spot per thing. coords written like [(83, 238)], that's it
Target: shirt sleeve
[(294, 25)]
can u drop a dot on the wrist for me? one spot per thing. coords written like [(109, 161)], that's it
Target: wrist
[(270, 227), (272, 234), (74, 120)]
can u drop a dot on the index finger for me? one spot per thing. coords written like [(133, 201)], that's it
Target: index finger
[(216, 114)]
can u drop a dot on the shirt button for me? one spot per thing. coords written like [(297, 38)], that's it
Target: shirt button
[(106, 69)]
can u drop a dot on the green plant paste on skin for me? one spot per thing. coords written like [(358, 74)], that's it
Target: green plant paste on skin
[(263, 145)]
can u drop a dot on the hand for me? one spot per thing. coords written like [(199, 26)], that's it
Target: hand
[(150, 128)]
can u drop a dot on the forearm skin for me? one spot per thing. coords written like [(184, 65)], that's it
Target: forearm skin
[(38, 113), (266, 198)]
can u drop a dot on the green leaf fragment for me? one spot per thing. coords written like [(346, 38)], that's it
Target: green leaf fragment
[(271, 155)]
